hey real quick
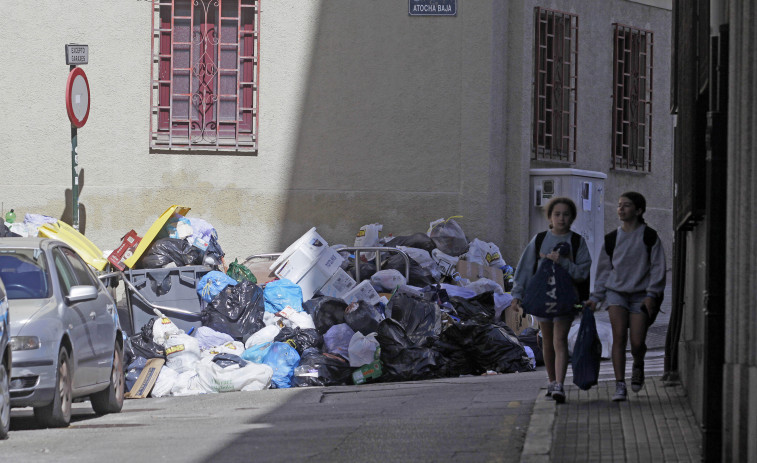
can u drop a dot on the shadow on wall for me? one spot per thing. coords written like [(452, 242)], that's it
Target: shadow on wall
[(67, 214), (379, 132)]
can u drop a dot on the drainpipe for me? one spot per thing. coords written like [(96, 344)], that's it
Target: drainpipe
[(715, 213)]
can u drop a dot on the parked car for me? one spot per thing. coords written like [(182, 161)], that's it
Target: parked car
[(5, 365), (65, 336)]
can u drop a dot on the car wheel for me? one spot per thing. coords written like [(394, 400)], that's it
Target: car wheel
[(111, 399), (5, 403), (57, 413)]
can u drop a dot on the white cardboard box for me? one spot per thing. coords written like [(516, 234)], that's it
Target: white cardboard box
[(338, 284), (318, 274), (362, 292)]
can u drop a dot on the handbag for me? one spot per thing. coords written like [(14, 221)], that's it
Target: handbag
[(550, 292)]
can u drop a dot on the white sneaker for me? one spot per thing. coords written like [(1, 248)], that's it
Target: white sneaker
[(620, 392)]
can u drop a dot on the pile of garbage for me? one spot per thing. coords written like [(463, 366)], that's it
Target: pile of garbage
[(311, 323)]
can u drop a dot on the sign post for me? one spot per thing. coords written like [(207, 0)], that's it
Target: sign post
[(77, 106)]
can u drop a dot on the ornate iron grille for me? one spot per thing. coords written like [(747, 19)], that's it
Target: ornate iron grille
[(632, 99), (555, 85), (205, 74)]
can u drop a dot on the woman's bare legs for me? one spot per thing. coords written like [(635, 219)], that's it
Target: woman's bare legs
[(619, 322)]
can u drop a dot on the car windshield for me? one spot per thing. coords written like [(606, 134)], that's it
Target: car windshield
[(24, 273)]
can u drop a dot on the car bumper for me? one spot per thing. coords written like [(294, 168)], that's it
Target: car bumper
[(33, 376)]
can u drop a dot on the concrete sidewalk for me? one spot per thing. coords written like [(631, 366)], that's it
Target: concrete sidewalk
[(656, 424)]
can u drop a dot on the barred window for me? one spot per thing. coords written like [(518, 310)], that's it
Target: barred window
[(555, 82), (204, 74), (632, 99)]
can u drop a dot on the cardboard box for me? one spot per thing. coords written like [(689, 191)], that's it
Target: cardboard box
[(473, 272), (362, 292), (516, 321), (146, 380), (338, 284)]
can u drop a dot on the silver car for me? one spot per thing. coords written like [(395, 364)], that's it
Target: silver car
[(65, 336), (5, 365)]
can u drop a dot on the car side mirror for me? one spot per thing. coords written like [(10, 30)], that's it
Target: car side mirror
[(81, 293)]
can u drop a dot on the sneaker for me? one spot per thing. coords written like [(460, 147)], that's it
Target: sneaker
[(550, 388), (558, 393), (637, 376), (620, 392)]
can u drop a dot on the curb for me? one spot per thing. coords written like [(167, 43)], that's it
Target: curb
[(538, 444)]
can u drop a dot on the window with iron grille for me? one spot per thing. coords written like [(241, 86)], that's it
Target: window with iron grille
[(555, 85), (205, 74), (632, 99)]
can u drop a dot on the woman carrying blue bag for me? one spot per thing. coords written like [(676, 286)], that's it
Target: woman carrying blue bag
[(561, 212)]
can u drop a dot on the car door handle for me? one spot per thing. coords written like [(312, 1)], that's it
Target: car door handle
[(92, 315)]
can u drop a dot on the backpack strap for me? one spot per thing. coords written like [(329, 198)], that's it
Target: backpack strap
[(610, 239), (537, 246), (575, 243)]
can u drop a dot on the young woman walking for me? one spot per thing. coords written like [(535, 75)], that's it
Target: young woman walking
[(561, 212), (631, 281)]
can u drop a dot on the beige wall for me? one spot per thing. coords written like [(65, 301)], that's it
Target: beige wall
[(366, 115)]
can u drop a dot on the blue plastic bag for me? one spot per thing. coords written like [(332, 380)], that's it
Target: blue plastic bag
[(257, 353), (213, 283), (587, 352), (550, 292), (280, 294), (283, 358)]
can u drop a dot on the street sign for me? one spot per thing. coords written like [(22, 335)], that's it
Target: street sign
[(77, 54), (432, 7), (77, 97)]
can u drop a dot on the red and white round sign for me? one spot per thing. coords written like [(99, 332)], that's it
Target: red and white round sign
[(77, 97)]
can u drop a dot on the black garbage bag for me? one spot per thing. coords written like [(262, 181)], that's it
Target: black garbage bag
[(530, 337), (133, 369), (402, 359), (459, 361), (6, 232), (490, 346), (420, 318), (237, 311), (418, 276), (479, 308), (367, 269), (326, 312), (300, 339), (171, 250), (362, 316), (449, 237), (320, 369), (141, 345), (228, 360), (587, 352), (417, 240)]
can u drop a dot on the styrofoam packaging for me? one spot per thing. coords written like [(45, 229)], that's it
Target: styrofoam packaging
[(362, 292), (338, 284)]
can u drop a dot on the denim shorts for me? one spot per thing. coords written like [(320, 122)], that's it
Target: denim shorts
[(564, 317), (632, 302)]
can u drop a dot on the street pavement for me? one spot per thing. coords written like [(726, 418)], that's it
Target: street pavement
[(656, 424)]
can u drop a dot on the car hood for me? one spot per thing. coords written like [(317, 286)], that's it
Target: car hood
[(25, 311)]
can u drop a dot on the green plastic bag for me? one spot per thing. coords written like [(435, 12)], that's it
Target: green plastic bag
[(241, 273)]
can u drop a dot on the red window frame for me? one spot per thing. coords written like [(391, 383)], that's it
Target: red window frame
[(205, 74), (555, 85), (632, 98)]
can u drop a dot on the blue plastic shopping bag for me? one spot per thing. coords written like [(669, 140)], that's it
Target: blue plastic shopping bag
[(587, 352)]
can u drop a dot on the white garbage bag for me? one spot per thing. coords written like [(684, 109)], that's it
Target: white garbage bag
[(368, 235), (167, 379), (267, 334), (188, 383), (387, 280), (250, 377), (362, 349), (182, 352), (604, 330), (164, 328), (231, 347), (483, 253), (483, 285)]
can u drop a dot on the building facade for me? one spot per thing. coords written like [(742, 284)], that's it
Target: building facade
[(267, 117)]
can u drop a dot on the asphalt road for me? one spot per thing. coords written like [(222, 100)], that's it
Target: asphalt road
[(482, 418)]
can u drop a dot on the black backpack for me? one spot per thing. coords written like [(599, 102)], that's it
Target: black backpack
[(584, 287)]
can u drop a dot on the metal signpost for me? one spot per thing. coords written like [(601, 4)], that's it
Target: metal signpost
[(77, 106)]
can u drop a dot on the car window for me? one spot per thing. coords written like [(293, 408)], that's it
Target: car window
[(24, 273), (65, 275), (83, 276)]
